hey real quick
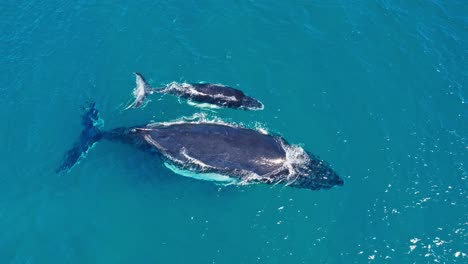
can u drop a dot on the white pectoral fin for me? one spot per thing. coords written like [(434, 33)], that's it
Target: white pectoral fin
[(130, 106), (213, 177)]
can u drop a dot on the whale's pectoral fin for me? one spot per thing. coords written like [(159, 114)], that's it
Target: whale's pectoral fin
[(132, 105), (129, 106)]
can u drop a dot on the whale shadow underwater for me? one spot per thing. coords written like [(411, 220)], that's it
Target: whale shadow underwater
[(212, 151), (217, 95)]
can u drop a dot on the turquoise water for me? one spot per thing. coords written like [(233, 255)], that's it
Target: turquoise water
[(376, 88)]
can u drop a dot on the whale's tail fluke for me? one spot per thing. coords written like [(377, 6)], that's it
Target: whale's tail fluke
[(140, 92), (88, 137)]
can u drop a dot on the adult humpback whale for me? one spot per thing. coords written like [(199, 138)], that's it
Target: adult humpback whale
[(245, 155), (214, 94)]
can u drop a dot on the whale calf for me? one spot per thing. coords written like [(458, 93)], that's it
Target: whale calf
[(210, 93), (242, 154), (215, 94)]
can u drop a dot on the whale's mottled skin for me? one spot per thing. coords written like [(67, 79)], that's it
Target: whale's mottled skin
[(215, 94), (241, 153)]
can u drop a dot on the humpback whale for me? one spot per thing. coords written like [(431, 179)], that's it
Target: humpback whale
[(214, 94), (242, 154)]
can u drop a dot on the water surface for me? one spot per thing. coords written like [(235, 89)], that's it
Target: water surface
[(376, 88)]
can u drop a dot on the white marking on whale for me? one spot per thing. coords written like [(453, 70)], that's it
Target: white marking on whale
[(215, 177), (203, 105)]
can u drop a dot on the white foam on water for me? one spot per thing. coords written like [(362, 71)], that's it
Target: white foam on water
[(261, 128), (197, 118), (210, 118), (295, 164), (297, 161), (257, 109)]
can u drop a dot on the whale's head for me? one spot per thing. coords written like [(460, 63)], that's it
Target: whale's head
[(319, 176), (251, 103)]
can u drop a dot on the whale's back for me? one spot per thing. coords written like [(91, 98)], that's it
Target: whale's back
[(218, 89), (219, 147)]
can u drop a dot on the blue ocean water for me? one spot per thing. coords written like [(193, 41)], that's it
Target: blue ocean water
[(375, 87)]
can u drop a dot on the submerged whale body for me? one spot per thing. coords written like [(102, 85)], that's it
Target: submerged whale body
[(243, 154), (214, 94)]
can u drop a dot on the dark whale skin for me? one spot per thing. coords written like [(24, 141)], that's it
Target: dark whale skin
[(242, 153), (229, 150), (215, 94), (219, 146)]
